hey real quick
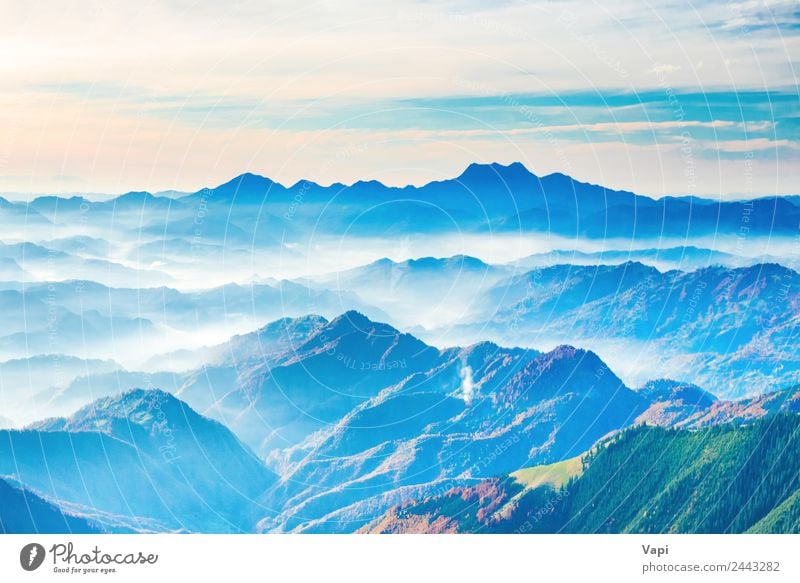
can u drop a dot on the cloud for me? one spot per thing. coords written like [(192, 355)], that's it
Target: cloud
[(752, 145), (664, 68), (174, 93), (467, 384)]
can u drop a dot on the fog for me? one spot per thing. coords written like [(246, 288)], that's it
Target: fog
[(116, 289)]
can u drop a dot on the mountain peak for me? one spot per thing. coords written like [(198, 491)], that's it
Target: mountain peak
[(354, 333), (355, 321), (661, 390), (290, 322), (632, 269), (247, 180), (460, 261), (250, 177), (493, 171), (567, 352), (568, 366), (136, 406), (136, 195), (246, 188)]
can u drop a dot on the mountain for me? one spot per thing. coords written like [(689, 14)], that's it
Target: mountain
[(501, 198), (80, 245), (61, 400), (53, 206), (65, 332), (247, 188), (485, 198), (345, 362), (482, 411), (427, 291), (24, 377), (142, 460), (269, 302), (86, 319), (139, 201), (725, 329), (351, 439), (17, 213), (354, 417), (40, 263), (254, 302), (685, 258), (23, 512), (724, 479), (267, 344), (63, 209), (744, 411), (397, 272), (486, 190), (687, 406), (662, 390), (673, 402)]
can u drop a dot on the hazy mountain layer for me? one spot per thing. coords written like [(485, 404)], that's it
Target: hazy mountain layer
[(321, 423), (142, 460), (21, 511), (727, 329), (451, 418)]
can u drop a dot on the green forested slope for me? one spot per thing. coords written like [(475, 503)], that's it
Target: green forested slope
[(646, 480), (721, 479)]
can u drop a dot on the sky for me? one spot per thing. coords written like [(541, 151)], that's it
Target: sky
[(657, 97)]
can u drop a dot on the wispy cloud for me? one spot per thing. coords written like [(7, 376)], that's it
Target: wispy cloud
[(176, 93)]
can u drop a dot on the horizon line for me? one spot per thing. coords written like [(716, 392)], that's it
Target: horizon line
[(161, 193)]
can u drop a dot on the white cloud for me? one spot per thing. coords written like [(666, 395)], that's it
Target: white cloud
[(276, 53)]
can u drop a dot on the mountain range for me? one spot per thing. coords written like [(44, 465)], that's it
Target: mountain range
[(730, 330), (485, 196), (510, 198), (341, 444), (495, 352), (682, 257), (426, 292)]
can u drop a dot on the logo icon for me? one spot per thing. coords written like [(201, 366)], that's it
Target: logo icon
[(31, 556)]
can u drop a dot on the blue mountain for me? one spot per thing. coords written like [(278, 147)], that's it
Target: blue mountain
[(730, 319), (429, 432), (23, 512), (142, 460), (342, 364), (485, 197), (502, 197)]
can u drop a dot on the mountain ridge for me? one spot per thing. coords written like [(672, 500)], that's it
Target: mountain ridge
[(241, 181), (163, 466)]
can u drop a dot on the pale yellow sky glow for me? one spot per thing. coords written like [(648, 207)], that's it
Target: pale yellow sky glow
[(106, 97)]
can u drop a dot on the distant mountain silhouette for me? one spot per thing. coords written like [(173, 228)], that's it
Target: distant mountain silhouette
[(255, 211), (509, 198), (426, 291), (685, 258)]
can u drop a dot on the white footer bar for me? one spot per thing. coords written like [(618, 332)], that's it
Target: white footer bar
[(401, 558)]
